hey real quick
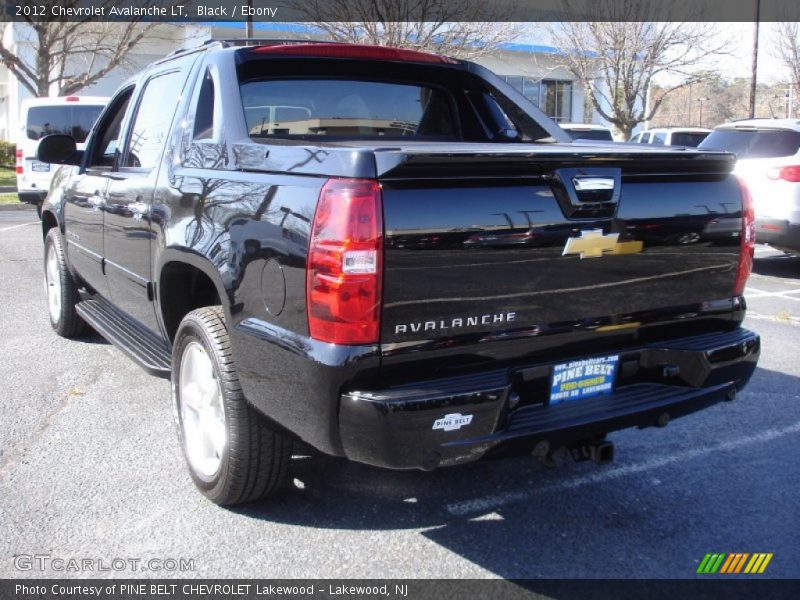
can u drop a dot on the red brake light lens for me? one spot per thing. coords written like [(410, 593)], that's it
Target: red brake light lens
[(748, 241), (362, 51), (788, 173), (72, 99), (345, 260)]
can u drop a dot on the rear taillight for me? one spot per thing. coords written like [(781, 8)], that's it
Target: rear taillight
[(787, 173), (20, 162), (345, 258), (748, 241)]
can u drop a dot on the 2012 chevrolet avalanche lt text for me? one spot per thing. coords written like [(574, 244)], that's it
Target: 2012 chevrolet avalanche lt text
[(394, 257)]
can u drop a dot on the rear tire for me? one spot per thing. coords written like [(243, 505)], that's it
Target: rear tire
[(60, 288), (232, 454)]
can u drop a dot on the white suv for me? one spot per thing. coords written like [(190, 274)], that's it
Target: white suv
[(689, 137), (588, 131), (71, 115), (768, 153)]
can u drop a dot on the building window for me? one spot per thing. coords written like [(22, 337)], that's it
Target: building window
[(553, 96)]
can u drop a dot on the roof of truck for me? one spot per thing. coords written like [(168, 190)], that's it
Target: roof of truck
[(793, 124)]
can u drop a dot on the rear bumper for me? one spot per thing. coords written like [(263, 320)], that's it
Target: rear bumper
[(779, 233), (36, 197), (394, 427)]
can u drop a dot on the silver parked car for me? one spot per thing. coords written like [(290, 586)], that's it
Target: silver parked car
[(768, 161)]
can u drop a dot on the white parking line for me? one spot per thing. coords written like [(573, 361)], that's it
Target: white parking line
[(493, 502), (753, 293), (789, 320), (17, 226)]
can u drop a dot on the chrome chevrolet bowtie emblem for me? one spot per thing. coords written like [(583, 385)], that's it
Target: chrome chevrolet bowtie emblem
[(592, 244)]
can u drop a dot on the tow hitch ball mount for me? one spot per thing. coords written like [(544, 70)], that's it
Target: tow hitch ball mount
[(601, 452)]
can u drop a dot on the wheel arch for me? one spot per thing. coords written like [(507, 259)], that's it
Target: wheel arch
[(49, 221), (186, 281)]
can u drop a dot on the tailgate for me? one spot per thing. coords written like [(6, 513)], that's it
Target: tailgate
[(483, 249)]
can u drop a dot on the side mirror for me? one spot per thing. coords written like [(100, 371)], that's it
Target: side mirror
[(58, 149)]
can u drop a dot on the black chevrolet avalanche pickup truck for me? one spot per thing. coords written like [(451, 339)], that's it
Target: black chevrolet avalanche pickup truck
[(393, 257)]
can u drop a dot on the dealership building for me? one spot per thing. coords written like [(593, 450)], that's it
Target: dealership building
[(530, 68)]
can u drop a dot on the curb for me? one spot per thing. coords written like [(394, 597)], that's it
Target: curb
[(17, 206), (8, 189)]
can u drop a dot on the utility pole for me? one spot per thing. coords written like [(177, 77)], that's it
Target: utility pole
[(248, 26), (700, 102), (754, 72)]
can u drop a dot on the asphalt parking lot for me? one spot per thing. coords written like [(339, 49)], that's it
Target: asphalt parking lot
[(90, 468)]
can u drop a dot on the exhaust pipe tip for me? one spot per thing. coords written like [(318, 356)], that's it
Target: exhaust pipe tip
[(600, 453), (603, 453)]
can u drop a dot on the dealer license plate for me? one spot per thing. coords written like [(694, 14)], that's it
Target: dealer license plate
[(580, 379)]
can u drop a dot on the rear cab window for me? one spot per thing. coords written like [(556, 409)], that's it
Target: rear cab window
[(317, 99), (345, 108), (754, 143)]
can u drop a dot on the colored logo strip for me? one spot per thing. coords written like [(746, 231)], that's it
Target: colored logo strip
[(710, 563), (734, 563)]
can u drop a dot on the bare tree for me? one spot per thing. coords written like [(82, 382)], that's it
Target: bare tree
[(457, 28), (618, 57), (69, 56), (787, 50)]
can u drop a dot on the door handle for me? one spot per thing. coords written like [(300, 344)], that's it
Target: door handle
[(97, 200)]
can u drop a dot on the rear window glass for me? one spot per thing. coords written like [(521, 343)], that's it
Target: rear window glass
[(591, 134), (345, 108), (685, 138), (754, 143), (68, 119)]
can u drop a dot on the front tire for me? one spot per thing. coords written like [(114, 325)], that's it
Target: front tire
[(60, 288), (232, 454)]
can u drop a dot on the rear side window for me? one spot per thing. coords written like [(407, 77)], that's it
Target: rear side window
[(153, 120), (686, 138), (346, 108), (659, 139), (754, 143), (204, 115), (68, 119)]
